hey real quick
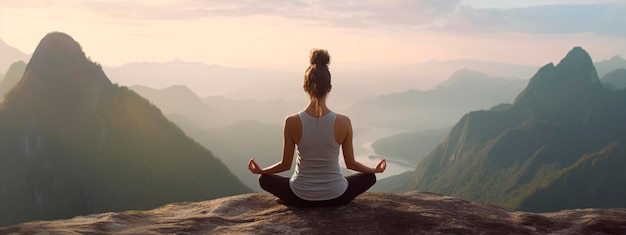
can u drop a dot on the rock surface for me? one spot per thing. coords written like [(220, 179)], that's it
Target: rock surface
[(371, 213)]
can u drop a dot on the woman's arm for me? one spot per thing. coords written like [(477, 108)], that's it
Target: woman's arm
[(345, 126), (289, 146)]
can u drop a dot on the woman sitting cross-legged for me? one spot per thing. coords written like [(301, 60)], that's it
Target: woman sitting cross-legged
[(317, 132)]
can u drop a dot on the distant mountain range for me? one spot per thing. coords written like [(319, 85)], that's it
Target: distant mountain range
[(205, 79), (560, 145), (413, 146), (606, 66), (236, 143), (464, 91), (72, 143), (182, 105), (9, 55), (350, 85), (12, 77), (616, 78)]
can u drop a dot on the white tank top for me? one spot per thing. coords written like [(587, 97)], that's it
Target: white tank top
[(317, 176)]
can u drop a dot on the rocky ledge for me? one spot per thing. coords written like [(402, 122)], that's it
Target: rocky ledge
[(371, 213)]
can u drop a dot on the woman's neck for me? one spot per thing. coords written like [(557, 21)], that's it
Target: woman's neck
[(311, 107)]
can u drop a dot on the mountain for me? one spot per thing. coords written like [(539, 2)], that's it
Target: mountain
[(186, 108), (415, 110), (9, 55), (236, 84), (73, 143), (208, 80), (489, 67), (350, 84), (606, 66), (560, 145), (428, 75), (617, 78), (267, 111), (236, 143), (225, 125), (370, 213), (181, 104), (12, 77)]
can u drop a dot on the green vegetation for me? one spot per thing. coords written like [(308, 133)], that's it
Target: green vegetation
[(72, 143), (559, 146)]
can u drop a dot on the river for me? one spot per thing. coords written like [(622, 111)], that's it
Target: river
[(364, 152)]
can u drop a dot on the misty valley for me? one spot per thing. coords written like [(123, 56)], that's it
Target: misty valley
[(79, 138)]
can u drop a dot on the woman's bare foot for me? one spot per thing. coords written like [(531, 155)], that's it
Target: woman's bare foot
[(278, 201)]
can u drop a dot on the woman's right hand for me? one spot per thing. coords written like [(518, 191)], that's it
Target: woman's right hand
[(381, 166), (254, 167)]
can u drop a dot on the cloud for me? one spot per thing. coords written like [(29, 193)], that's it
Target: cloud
[(583, 1), (347, 12), (603, 17)]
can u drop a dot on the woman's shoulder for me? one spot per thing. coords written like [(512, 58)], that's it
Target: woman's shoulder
[(343, 119), (293, 118)]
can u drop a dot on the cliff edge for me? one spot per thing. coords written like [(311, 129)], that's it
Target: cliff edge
[(371, 213)]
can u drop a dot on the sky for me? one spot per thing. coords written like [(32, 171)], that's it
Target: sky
[(278, 34)]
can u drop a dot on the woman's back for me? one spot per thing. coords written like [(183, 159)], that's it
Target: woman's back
[(317, 175)]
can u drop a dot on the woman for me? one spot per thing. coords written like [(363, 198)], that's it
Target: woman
[(317, 132)]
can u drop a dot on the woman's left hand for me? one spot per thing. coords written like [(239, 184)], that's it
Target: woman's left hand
[(254, 167), (382, 165)]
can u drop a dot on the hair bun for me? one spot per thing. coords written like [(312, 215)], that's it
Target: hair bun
[(319, 57)]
